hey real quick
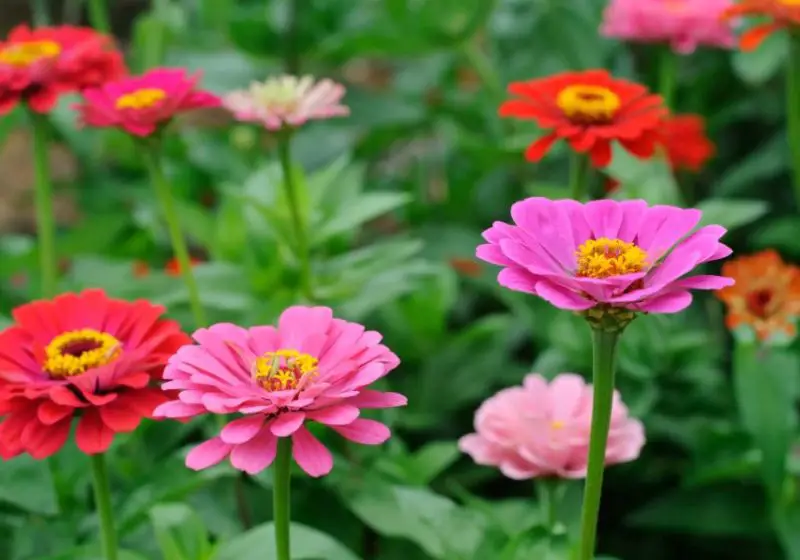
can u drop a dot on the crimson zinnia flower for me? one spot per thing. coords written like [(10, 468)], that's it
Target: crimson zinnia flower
[(36, 66), (83, 355), (588, 109), (783, 14), (685, 141)]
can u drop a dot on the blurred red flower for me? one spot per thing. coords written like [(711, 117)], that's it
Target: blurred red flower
[(172, 268), (589, 109), (685, 141), (782, 14), (38, 65)]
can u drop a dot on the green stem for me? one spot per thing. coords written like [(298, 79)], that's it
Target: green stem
[(793, 110), (547, 490), (41, 13), (164, 195), (45, 221), (98, 16), (300, 234), (578, 175), (667, 76), (603, 357), (102, 498), (281, 506)]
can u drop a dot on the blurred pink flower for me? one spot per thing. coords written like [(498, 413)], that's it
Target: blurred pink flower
[(542, 429), (287, 101), (684, 24), (141, 105), (618, 254), (312, 367)]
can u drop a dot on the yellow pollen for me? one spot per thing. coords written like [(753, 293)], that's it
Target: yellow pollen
[(284, 370), (557, 424), (789, 2), (75, 352), (25, 54), (141, 98), (586, 104), (601, 258)]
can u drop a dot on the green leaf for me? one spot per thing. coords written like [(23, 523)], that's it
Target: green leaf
[(782, 233), (28, 484), (307, 544), (766, 162), (651, 179), (357, 212), (432, 459), (93, 552), (757, 66), (731, 214), (180, 532)]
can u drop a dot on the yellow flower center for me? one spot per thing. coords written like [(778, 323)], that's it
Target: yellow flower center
[(284, 370), (141, 98), (588, 104), (75, 352), (789, 2), (25, 54), (601, 258), (557, 424)]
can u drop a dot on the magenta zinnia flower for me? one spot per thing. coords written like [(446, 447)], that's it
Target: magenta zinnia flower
[(312, 367), (616, 254), (141, 105), (287, 101), (542, 429)]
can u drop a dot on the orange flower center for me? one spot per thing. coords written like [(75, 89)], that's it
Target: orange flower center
[(25, 54), (75, 352), (603, 257), (588, 104), (789, 2), (758, 302), (284, 370), (141, 98)]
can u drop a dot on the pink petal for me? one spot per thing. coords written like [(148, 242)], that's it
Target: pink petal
[(518, 280), (368, 432), (336, 415), (207, 454), (671, 302), (287, 423), (313, 457), (242, 430), (562, 297), (257, 454), (177, 409), (368, 398)]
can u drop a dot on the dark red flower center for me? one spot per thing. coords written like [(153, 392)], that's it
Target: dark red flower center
[(75, 352), (758, 302)]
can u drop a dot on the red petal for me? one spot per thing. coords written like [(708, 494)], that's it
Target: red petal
[(753, 37), (642, 147), (44, 441), (92, 435), (136, 380), (119, 418), (61, 395), (601, 153), (540, 147), (49, 412)]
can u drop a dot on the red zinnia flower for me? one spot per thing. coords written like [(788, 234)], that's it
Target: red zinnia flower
[(782, 13), (36, 66), (80, 355), (589, 109), (685, 141)]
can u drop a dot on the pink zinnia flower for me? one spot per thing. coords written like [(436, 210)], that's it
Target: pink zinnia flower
[(615, 254), (542, 429), (86, 357), (141, 105), (684, 24), (312, 367), (287, 101)]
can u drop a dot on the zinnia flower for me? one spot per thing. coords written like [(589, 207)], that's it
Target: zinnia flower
[(766, 296), (80, 355), (287, 101), (604, 253), (783, 14), (589, 109), (172, 268), (685, 141), (312, 367), (684, 24), (36, 66), (142, 105), (542, 429)]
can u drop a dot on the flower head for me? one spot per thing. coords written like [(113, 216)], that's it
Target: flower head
[(782, 14), (287, 101), (80, 354), (766, 297), (589, 109), (685, 142), (141, 105), (311, 367), (172, 268), (542, 429), (684, 24), (36, 66), (604, 254)]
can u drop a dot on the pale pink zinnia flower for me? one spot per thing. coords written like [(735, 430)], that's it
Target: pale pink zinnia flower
[(141, 105), (542, 429), (684, 24), (287, 101), (312, 367), (605, 253)]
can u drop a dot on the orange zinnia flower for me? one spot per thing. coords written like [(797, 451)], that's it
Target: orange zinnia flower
[(766, 295), (782, 13), (589, 109), (685, 141)]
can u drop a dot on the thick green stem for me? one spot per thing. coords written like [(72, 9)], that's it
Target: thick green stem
[(668, 76), (603, 366), (164, 195), (281, 494), (41, 13), (298, 222), (98, 16), (547, 490), (102, 498), (45, 221), (793, 110), (578, 176)]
